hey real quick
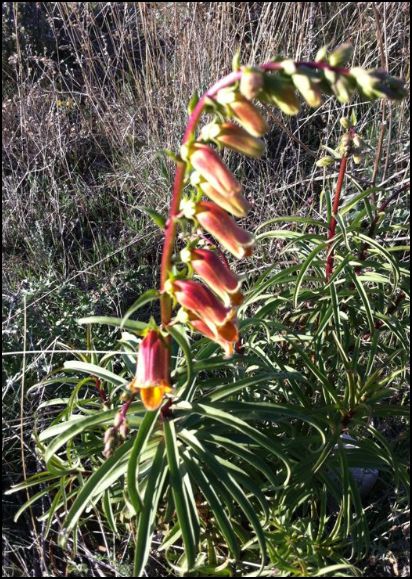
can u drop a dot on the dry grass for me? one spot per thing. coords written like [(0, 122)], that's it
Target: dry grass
[(92, 91)]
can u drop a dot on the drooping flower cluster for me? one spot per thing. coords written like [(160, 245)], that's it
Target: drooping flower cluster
[(211, 309), (209, 306)]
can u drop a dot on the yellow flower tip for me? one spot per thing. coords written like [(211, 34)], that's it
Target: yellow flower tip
[(152, 397)]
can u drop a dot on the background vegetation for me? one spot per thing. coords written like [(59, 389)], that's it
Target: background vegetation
[(91, 93)]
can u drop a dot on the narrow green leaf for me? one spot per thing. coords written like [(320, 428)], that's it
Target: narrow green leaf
[(246, 429), (305, 266), (293, 219), (99, 481), (365, 300), (108, 511), (94, 370), (231, 485), (155, 216), (213, 500), (179, 496), (117, 322), (143, 434), (153, 494), (147, 297)]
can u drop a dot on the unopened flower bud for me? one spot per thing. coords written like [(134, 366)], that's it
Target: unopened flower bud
[(376, 84), (343, 89), (196, 298), (289, 66), (123, 430), (110, 439), (345, 123), (244, 112), (251, 82), (118, 419), (345, 145), (217, 275), (322, 54), (358, 142), (341, 55), (325, 161), (235, 204), (308, 87), (219, 224), (280, 91), (234, 137)]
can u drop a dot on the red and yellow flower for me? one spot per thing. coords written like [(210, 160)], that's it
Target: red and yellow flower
[(224, 228), (210, 166), (206, 313), (152, 378), (216, 274)]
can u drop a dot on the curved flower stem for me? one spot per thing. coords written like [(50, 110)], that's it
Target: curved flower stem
[(170, 232)]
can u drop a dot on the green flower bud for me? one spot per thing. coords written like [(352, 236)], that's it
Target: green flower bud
[(325, 161), (345, 123), (280, 91), (308, 88), (358, 142), (375, 84), (343, 89), (322, 54), (341, 55), (289, 66)]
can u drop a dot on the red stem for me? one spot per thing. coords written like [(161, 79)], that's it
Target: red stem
[(123, 412), (102, 393), (332, 222)]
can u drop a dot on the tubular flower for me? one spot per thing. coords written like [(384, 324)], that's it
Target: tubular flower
[(216, 274), (209, 165), (226, 336), (152, 373), (197, 299), (234, 137), (235, 203), (246, 114), (219, 224)]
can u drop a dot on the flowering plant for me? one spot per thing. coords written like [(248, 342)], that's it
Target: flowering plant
[(222, 466)]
